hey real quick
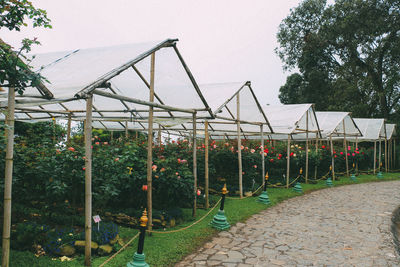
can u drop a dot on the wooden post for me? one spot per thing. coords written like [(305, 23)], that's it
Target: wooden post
[(307, 147), (262, 156), (239, 141), (150, 147), (136, 135), (386, 155), (69, 128), (380, 154), (333, 158), (159, 135), (391, 153), (126, 130), (194, 165), (288, 162), (9, 131), (316, 151), (112, 135), (206, 163), (54, 129), (88, 181), (374, 157), (345, 149), (394, 153), (357, 150)]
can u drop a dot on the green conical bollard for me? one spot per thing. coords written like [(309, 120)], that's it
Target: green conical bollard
[(138, 261), (380, 175), (263, 198), (220, 222), (297, 188), (353, 177), (329, 182), (138, 257)]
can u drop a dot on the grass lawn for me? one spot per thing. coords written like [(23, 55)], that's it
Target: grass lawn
[(167, 249)]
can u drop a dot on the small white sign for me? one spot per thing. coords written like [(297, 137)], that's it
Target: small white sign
[(96, 218)]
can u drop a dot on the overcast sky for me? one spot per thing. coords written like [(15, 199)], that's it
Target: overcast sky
[(221, 40)]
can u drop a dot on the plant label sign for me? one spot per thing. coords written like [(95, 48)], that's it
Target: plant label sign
[(96, 218)]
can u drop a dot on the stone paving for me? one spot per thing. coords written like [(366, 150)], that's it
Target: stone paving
[(343, 226)]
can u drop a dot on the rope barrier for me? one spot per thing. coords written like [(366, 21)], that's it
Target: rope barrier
[(283, 186), (120, 250), (187, 227), (160, 232), (322, 177), (252, 194), (208, 213)]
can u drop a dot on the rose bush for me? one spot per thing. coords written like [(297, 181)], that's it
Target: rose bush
[(52, 174)]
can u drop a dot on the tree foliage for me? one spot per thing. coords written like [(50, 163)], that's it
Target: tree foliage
[(347, 53), (14, 67)]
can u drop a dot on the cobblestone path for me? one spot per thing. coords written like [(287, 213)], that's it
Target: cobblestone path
[(343, 226)]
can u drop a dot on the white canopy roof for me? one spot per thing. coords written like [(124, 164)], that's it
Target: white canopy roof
[(222, 98), (291, 120), (390, 130), (371, 129), (111, 72), (336, 124)]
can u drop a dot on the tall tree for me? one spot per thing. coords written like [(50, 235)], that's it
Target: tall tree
[(347, 52)]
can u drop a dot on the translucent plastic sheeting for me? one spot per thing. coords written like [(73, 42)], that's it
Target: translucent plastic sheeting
[(371, 129), (222, 98), (336, 124), (76, 71), (390, 130), (291, 119)]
